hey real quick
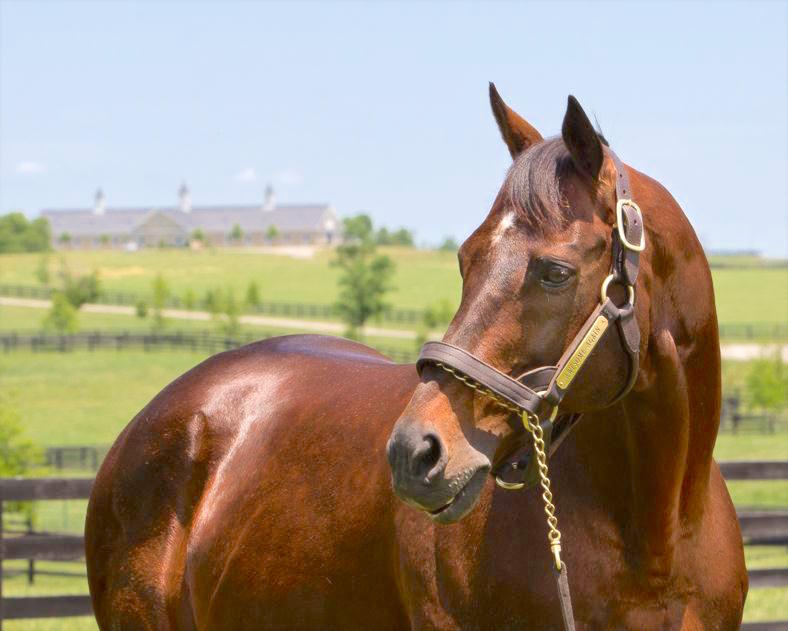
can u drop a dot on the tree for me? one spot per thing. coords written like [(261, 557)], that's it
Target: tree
[(438, 315), (767, 385), (272, 233), (383, 236), (17, 454), (81, 289), (189, 299), (198, 235), (17, 234), (236, 234), (64, 238), (230, 323), (141, 309), (365, 276), (213, 302), (449, 244), (161, 292), (62, 315), (252, 295), (403, 237), (42, 270)]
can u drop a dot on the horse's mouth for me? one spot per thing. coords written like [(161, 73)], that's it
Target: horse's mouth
[(463, 501)]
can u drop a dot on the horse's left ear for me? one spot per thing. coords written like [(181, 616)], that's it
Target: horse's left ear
[(581, 139)]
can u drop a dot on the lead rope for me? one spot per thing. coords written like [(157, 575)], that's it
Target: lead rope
[(553, 534)]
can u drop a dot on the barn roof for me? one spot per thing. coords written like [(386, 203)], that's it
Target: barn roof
[(211, 219)]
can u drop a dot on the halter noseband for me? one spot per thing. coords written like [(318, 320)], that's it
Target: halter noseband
[(537, 394)]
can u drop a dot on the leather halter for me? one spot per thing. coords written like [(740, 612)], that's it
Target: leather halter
[(541, 390)]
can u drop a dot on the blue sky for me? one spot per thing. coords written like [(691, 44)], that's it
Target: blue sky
[(383, 107)]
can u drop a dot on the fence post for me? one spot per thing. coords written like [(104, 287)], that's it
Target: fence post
[(31, 563), (2, 556)]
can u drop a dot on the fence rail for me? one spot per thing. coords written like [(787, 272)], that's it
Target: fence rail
[(42, 546), (768, 527), (77, 458)]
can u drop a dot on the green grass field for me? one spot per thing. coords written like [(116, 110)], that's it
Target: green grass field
[(422, 276), (88, 397), (746, 294)]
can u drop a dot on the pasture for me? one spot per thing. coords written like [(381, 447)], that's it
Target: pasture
[(87, 397), (746, 292)]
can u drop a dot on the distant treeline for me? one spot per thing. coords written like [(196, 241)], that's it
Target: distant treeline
[(18, 234)]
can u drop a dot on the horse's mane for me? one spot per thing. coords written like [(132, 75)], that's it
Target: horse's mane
[(533, 185)]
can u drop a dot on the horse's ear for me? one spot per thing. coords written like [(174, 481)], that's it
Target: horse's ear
[(517, 134), (581, 139)]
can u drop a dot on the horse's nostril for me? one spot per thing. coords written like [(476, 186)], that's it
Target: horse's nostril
[(427, 456), (391, 451)]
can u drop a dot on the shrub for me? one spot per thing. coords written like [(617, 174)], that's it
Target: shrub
[(62, 315)]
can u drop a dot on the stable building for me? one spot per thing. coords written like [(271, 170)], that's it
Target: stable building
[(263, 224)]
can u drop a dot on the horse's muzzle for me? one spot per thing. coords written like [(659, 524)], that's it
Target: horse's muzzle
[(418, 458)]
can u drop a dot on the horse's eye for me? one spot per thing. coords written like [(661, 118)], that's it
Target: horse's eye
[(556, 275)]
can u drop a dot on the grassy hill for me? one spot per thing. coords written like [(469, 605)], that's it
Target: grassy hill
[(749, 293)]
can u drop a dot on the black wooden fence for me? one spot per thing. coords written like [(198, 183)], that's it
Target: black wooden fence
[(758, 528), (42, 546), (75, 457)]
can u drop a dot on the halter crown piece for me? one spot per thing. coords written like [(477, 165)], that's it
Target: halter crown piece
[(537, 395)]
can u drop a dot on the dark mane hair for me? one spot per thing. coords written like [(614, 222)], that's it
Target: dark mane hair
[(532, 186)]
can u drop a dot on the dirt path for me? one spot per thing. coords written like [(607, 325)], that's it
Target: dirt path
[(737, 351)]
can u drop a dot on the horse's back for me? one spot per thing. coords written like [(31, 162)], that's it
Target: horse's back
[(289, 430)]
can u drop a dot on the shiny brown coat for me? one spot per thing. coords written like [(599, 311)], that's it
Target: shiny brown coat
[(254, 492)]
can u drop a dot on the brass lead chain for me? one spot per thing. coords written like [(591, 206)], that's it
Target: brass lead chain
[(553, 534)]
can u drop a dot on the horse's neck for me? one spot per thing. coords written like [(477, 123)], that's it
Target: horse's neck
[(654, 451)]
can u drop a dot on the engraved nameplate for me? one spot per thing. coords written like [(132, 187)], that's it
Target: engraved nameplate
[(581, 354)]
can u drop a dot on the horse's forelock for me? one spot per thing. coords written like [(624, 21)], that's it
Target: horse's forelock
[(532, 187)]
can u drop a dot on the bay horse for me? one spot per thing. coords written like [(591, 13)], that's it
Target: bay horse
[(254, 491)]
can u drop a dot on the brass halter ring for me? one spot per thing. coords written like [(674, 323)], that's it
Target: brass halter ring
[(606, 283), (516, 486)]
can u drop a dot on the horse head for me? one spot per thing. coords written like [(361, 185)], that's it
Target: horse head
[(532, 273)]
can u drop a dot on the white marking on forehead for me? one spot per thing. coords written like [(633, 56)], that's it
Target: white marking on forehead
[(507, 221)]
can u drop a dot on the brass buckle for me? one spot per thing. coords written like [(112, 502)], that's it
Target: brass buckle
[(620, 222)]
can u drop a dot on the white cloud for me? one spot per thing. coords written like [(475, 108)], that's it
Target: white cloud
[(288, 177), (29, 167), (247, 174)]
